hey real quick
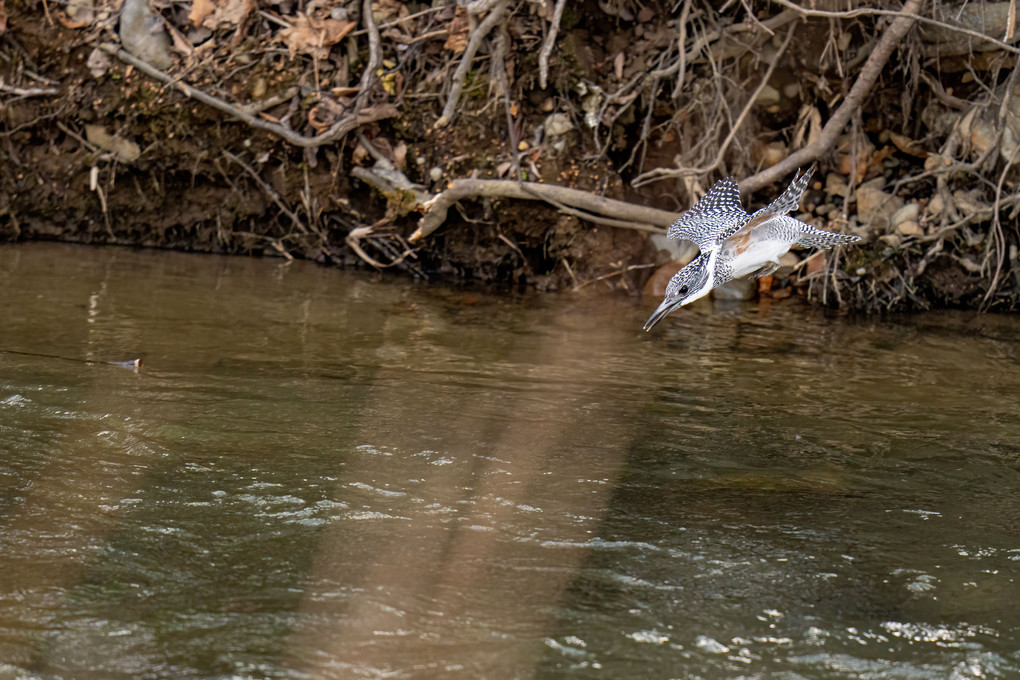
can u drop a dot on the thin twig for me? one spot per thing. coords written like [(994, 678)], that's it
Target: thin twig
[(905, 13), (493, 17), (890, 40), (439, 205), (24, 92), (611, 274), (550, 41), (269, 192), (665, 173), (338, 129)]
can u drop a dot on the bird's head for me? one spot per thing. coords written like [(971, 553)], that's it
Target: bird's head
[(687, 285)]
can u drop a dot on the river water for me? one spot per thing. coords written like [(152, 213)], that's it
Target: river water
[(325, 474)]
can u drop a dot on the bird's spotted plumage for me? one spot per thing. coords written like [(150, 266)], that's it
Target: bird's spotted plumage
[(734, 243)]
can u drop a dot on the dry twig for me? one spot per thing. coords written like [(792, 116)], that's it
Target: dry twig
[(438, 206), (491, 19), (359, 115), (872, 68), (550, 41)]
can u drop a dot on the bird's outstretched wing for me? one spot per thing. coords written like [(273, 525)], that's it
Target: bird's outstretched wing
[(789, 199), (717, 215)]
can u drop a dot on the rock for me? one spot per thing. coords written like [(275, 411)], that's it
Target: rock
[(125, 150), (436, 174), (767, 155), (835, 185), (966, 203), (935, 206), (143, 34), (876, 207), (909, 228), (98, 63), (824, 209), (769, 97), (737, 289), (786, 264), (558, 124), (908, 213), (679, 250), (656, 286)]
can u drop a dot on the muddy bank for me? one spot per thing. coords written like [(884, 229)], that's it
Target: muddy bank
[(335, 131)]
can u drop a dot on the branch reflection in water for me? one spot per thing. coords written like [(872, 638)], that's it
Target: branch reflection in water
[(456, 503)]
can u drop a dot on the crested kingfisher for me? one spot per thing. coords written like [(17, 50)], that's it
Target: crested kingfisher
[(734, 243)]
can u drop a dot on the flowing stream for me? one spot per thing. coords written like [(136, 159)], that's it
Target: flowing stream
[(326, 474)]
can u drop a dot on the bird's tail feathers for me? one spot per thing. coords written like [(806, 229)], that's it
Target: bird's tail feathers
[(818, 238)]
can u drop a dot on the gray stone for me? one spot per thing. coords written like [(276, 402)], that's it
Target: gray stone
[(736, 289), (143, 34), (875, 207), (558, 124), (679, 250)]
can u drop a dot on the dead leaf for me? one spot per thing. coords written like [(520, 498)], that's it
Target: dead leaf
[(400, 156), (907, 145), (809, 126), (315, 37), (63, 20), (214, 14), (3, 17), (200, 9), (618, 64), (388, 10), (324, 114), (457, 33)]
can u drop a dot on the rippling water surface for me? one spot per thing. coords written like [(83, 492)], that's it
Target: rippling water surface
[(320, 474)]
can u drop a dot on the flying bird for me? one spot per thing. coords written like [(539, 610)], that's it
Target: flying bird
[(734, 243)]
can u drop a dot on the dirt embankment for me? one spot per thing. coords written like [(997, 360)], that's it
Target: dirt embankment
[(530, 143)]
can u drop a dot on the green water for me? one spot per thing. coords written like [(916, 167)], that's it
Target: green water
[(320, 474)]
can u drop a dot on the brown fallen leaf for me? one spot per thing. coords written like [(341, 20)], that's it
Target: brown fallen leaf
[(213, 14), (61, 18), (907, 145), (457, 32), (3, 17), (314, 37), (200, 9), (388, 10), (324, 114)]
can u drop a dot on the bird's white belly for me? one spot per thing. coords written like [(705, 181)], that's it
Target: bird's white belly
[(757, 254)]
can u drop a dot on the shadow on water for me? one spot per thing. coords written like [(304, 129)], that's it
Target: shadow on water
[(319, 474)]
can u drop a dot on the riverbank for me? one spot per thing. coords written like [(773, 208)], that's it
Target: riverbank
[(522, 144)]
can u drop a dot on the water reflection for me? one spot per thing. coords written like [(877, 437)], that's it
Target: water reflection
[(320, 474)]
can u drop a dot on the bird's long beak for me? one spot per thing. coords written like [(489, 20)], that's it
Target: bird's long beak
[(662, 311)]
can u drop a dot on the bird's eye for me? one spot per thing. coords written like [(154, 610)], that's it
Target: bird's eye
[(683, 290)]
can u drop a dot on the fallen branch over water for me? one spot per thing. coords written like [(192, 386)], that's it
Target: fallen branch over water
[(577, 202)]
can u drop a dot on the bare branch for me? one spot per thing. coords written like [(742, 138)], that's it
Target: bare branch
[(494, 15), (872, 68), (664, 173), (339, 129), (550, 41), (627, 213), (905, 13)]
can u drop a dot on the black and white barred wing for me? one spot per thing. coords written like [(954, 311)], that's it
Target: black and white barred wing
[(789, 200), (717, 215)]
